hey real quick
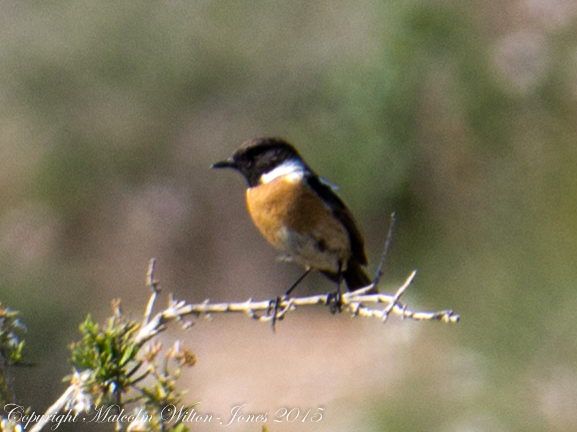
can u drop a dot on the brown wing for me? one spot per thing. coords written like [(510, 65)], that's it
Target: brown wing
[(342, 213)]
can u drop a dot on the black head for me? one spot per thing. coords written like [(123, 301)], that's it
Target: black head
[(258, 156)]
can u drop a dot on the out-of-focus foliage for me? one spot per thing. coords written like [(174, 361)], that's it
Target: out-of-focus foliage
[(458, 115), (11, 346), (109, 354), (114, 369)]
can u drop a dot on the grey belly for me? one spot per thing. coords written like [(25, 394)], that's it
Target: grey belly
[(311, 250)]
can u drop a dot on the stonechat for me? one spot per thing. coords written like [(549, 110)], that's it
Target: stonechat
[(299, 213)]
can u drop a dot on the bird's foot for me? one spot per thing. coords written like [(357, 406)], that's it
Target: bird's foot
[(335, 301), (274, 311)]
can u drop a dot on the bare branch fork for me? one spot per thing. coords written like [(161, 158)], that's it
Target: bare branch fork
[(354, 302)]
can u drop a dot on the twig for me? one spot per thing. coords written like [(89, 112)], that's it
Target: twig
[(153, 285), (54, 409), (355, 302), (398, 295), (379, 272)]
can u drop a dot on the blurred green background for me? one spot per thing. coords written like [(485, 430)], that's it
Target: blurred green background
[(460, 116)]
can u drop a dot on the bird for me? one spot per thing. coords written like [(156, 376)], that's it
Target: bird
[(299, 213)]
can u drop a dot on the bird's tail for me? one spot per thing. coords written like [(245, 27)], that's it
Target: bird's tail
[(355, 277)]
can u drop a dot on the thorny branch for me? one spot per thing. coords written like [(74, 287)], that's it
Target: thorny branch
[(354, 302)]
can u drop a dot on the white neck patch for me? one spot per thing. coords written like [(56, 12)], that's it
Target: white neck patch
[(293, 170)]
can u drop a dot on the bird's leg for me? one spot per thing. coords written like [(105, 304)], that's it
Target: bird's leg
[(334, 299), (275, 304), (298, 281)]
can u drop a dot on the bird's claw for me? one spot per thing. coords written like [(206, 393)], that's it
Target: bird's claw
[(273, 311), (335, 301)]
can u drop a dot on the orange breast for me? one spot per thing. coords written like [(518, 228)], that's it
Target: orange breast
[(297, 222)]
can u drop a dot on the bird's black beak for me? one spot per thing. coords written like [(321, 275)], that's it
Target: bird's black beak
[(229, 163)]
